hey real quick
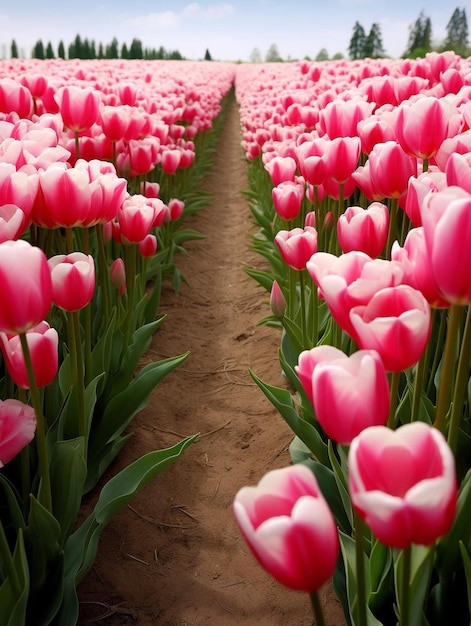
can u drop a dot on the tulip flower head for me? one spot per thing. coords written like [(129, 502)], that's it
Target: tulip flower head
[(289, 527), (73, 280), (17, 428), (403, 483)]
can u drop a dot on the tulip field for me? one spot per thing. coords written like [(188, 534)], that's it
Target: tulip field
[(358, 197)]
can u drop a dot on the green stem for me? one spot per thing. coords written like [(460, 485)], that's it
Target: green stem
[(404, 591), (8, 563), (394, 393), (317, 608), (79, 368), (360, 570), (442, 313), (130, 263), (303, 310), (392, 233), (292, 278), (41, 445), (449, 356), (419, 384), (462, 376), (103, 271), (314, 314)]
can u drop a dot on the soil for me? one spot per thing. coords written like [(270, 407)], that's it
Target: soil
[(175, 557)]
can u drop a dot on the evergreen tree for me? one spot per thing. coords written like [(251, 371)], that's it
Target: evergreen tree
[(255, 56), (13, 50), (457, 33), (101, 54), (124, 51), (49, 51), (356, 48), (61, 50), (272, 55), (420, 37), (374, 43), (322, 55), (207, 55), (112, 49), (135, 51), (38, 50)]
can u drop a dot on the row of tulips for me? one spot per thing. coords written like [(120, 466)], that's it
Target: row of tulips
[(360, 187), (100, 163)]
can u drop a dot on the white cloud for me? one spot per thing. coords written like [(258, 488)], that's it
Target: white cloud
[(164, 20), (210, 13)]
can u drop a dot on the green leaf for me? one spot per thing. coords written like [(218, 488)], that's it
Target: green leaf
[(263, 278), (421, 570), (381, 579), (183, 235), (13, 605), (96, 467), (123, 407), (347, 545), (12, 503), (467, 569), (283, 402), (340, 474), (68, 470), (81, 547)]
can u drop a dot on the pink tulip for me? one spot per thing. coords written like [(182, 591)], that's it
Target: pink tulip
[(118, 275), (148, 246), (459, 144), (403, 483), (287, 199), (415, 260), (342, 158), (73, 280), (115, 121), (340, 118), (43, 342), (297, 246), (277, 301), (362, 178), (25, 285), (15, 98), (281, 169), (17, 428), (396, 322), (430, 181), (446, 218), (64, 197), (458, 171), (175, 209), (423, 125), (364, 229), (136, 217), (350, 280), (390, 169), (375, 129), (312, 161), (170, 160), (78, 107), (289, 528), (12, 222)]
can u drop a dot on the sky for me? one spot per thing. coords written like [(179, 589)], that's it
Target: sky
[(231, 30)]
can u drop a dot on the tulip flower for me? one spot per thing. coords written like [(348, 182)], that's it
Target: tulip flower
[(458, 171), (422, 126), (170, 160), (118, 275), (297, 246), (403, 483), (390, 169), (277, 301), (350, 280), (348, 394), (364, 229), (287, 199), (78, 107), (25, 285), (289, 527), (43, 342), (446, 218), (428, 182), (396, 322), (148, 246), (73, 280), (281, 169), (342, 158), (136, 217), (17, 427), (12, 221)]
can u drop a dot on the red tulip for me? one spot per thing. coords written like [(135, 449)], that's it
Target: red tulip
[(364, 229), (73, 280), (43, 342), (289, 527), (17, 427), (148, 246), (25, 285), (403, 483), (396, 322)]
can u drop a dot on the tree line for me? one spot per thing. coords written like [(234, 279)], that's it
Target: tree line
[(420, 40), (87, 49)]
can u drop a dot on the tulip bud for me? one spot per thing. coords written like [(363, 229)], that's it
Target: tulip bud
[(118, 275), (277, 301)]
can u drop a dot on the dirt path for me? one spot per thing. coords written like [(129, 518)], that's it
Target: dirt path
[(176, 557)]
